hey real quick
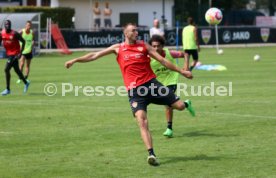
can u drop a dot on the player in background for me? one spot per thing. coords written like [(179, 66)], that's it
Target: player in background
[(27, 54), (165, 76), (139, 79), (190, 44), (11, 40)]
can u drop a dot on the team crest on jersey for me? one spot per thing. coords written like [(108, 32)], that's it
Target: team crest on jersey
[(265, 34), (11, 37), (126, 57), (134, 104), (140, 48), (206, 35)]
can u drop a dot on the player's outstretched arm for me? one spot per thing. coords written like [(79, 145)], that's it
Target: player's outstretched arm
[(186, 61), (167, 63), (177, 54), (93, 56), (196, 39), (181, 54), (85, 58)]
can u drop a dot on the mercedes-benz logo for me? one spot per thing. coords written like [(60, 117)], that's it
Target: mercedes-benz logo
[(226, 36), (171, 38)]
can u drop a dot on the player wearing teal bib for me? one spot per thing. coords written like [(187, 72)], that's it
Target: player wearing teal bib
[(165, 76), (27, 54)]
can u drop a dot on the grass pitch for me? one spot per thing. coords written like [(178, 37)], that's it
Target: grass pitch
[(96, 136)]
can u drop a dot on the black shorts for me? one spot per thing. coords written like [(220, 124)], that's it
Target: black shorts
[(12, 59), (107, 23), (150, 92), (28, 56), (97, 22), (172, 88), (192, 52)]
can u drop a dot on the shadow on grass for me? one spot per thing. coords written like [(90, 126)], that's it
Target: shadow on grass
[(206, 134), (200, 157)]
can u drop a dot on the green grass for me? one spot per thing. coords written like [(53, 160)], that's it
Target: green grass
[(82, 136)]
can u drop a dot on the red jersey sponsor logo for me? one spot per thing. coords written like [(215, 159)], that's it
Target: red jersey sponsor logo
[(133, 56)]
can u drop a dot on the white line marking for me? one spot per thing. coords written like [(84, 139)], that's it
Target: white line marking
[(3, 132), (240, 115), (126, 108)]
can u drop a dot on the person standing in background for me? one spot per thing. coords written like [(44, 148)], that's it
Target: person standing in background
[(107, 16), (97, 15), (156, 30)]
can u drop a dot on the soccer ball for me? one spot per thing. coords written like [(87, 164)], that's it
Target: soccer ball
[(220, 51), (257, 57), (213, 16)]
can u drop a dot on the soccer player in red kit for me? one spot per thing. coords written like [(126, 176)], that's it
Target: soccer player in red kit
[(11, 40), (139, 79)]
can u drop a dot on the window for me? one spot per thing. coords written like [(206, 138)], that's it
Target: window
[(126, 18), (43, 2)]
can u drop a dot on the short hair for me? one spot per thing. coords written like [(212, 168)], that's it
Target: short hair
[(190, 20), (30, 22), (157, 38), (8, 21), (128, 24)]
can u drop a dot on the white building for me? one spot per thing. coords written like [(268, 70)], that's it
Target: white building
[(140, 11)]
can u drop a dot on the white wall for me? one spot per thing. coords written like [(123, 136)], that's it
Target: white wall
[(83, 12), (54, 3), (7, 4), (145, 8)]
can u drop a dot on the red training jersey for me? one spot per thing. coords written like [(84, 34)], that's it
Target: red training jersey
[(10, 43), (134, 63)]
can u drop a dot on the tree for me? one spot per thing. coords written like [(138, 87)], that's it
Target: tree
[(196, 9)]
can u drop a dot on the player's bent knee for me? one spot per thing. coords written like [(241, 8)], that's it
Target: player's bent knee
[(6, 70), (179, 105), (141, 115)]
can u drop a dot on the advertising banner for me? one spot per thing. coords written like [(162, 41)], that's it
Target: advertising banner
[(226, 35)]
